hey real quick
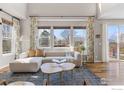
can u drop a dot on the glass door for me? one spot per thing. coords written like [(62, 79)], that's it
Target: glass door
[(112, 37), (115, 39), (121, 42)]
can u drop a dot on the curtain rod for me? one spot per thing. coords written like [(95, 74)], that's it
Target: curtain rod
[(61, 16), (9, 14)]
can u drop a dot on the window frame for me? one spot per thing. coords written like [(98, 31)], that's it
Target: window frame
[(71, 36), (61, 27), (117, 40), (79, 27), (37, 37), (11, 39)]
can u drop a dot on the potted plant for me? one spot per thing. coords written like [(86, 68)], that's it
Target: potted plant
[(83, 49)]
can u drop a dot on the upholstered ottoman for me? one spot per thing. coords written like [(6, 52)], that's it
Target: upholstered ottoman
[(31, 64)]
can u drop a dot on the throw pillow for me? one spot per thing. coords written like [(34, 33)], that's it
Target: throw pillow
[(39, 53), (31, 53)]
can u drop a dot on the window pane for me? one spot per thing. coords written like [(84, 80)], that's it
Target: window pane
[(121, 43), (7, 36), (112, 38), (61, 37), (7, 31), (80, 38), (44, 37), (6, 46)]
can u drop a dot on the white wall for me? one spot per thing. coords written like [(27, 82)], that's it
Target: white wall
[(25, 28), (110, 11), (61, 9), (97, 42), (62, 23), (16, 9), (6, 59)]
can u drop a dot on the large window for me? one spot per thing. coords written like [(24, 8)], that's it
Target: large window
[(80, 37), (44, 37), (61, 37), (6, 38)]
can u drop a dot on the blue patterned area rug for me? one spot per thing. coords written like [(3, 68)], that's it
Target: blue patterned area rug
[(79, 75)]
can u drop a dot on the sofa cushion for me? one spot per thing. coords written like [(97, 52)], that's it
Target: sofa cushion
[(29, 60), (51, 58), (31, 53), (37, 60), (54, 54)]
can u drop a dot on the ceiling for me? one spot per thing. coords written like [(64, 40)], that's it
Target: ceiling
[(111, 11), (62, 9)]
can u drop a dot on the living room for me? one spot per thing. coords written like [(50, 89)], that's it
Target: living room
[(61, 44)]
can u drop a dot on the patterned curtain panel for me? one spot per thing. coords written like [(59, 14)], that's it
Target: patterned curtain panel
[(16, 25), (90, 39), (33, 30)]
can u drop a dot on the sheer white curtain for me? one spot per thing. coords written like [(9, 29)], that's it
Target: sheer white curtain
[(16, 25)]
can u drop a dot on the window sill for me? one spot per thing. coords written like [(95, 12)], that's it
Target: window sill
[(53, 47)]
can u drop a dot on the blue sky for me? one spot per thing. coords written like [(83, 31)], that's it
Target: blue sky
[(57, 32), (112, 31), (80, 32)]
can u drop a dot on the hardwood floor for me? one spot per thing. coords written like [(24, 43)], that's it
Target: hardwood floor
[(99, 69), (115, 73)]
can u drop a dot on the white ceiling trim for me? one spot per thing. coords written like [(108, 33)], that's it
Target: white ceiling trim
[(63, 19)]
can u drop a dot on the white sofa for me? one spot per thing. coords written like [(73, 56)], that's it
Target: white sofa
[(75, 56), (31, 64), (72, 56)]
